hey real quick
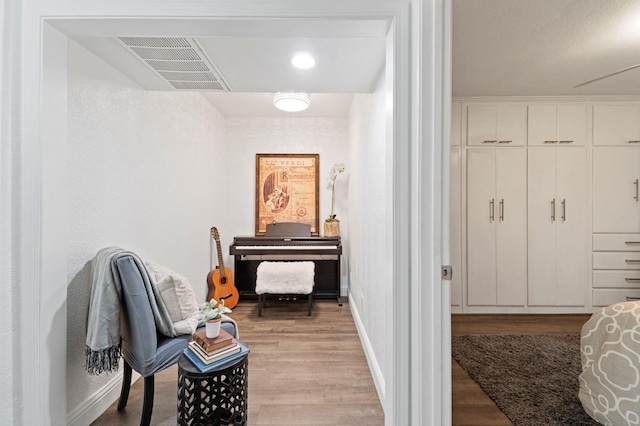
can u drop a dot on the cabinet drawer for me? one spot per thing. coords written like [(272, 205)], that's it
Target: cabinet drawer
[(616, 279), (619, 260), (616, 242), (609, 296)]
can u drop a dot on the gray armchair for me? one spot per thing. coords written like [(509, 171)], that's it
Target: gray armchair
[(143, 348)]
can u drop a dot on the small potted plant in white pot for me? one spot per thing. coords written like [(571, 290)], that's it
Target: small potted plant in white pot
[(212, 315)]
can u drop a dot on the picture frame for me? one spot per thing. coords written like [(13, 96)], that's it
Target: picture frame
[(287, 190)]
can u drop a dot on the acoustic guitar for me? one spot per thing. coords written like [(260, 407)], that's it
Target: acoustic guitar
[(220, 280)]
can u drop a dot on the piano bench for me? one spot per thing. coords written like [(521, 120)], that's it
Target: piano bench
[(262, 302), (285, 278)]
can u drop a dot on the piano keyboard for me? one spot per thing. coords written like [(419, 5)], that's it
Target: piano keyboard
[(286, 247), (296, 257)]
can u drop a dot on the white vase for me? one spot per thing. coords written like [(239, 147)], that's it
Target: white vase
[(212, 328)]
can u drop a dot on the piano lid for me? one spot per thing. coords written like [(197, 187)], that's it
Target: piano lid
[(288, 229), (273, 241)]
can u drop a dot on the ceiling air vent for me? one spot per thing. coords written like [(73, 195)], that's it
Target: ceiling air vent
[(180, 61)]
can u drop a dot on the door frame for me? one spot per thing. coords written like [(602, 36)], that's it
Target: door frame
[(418, 387)]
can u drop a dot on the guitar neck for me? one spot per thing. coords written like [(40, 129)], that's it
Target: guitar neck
[(220, 261)]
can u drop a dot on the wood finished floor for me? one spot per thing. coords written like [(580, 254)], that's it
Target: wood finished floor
[(302, 371), (470, 405), (312, 371)]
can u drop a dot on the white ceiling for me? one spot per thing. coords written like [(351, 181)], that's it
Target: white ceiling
[(545, 47), (500, 48), (254, 58)]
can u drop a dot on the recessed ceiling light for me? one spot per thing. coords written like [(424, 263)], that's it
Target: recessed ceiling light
[(290, 101), (303, 61)]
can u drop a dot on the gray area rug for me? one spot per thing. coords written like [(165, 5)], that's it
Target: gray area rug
[(532, 379)]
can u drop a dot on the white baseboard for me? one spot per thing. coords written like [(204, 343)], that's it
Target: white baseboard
[(376, 372), (88, 411), (344, 290)]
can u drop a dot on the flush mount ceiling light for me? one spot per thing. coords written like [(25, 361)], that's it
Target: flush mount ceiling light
[(303, 61), (290, 101)]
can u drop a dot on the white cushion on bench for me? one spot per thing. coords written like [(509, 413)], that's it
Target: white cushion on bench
[(285, 277)]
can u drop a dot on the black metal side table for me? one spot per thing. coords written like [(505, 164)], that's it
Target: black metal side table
[(217, 397)]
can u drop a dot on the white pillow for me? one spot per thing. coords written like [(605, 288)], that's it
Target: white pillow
[(178, 297)]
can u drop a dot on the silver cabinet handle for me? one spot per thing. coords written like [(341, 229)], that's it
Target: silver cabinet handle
[(632, 242), (566, 142), (632, 260), (635, 197), (553, 210), (634, 141), (632, 280), (489, 141), (502, 210), (491, 210), (505, 141), (564, 209), (550, 141), (632, 298)]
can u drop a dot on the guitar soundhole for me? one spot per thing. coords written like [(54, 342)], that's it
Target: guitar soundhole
[(223, 280)]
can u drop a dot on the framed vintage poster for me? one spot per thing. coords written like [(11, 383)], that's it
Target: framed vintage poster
[(287, 190)]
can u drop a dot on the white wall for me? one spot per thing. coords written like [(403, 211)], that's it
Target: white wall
[(370, 263), (246, 137), (141, 175), (10, 85)]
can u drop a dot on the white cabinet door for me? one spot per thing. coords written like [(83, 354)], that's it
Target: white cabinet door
[(542, 217), (556, 227), (511, 219), (481, 124), (456, 124), (564, 124), (616, 124), (572, 124), (496, 227), (481, 227), (616, 207), (455, 210), (542, 125), (571, 191), (496, 124), (512, 125)]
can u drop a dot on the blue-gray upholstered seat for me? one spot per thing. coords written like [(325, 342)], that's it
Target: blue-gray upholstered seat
[(143, 348)]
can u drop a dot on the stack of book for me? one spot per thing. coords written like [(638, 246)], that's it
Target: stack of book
[(208, 354)]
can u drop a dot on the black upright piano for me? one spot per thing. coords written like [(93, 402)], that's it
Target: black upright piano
[(280, 245)]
